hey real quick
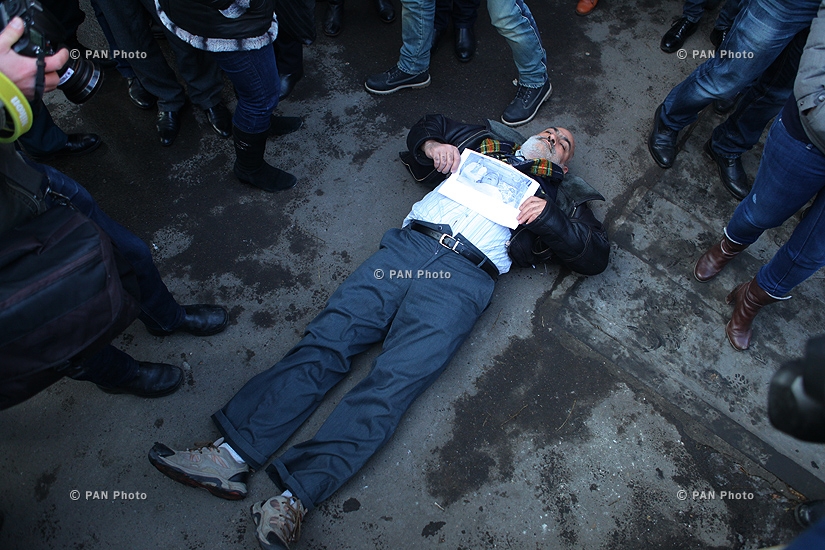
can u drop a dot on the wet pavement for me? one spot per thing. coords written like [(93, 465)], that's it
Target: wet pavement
[(577, 415)]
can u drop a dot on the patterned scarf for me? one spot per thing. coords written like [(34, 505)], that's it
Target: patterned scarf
[(506, 152)]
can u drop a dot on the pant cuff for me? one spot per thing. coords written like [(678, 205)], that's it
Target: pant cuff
[(279, 475), (237, 442)]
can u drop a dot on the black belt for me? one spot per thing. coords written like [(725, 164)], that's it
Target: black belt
[(454, 243)]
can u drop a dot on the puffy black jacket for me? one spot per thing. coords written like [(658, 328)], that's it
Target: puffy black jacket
[(201, 23), (566, 230)]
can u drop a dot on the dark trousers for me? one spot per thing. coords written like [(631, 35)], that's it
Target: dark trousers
[(129, 22), (421, 320), (159, 309)]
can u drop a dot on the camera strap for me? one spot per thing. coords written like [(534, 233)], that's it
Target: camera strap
[(18, 112), (40, 79)]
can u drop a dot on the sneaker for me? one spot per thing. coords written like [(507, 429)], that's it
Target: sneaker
[(526, 104), (395, 79), (278, 521), (211, 468)]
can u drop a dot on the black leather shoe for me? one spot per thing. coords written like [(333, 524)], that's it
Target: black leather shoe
[(152, 380), (139, 96), (808, 513), (288, 82), (662, 141), (283, 125), (333, 19), (678, 33), (168, 125), (438, 34), (731, 172), (80, 144), (465, 44), (198, 320), (717, 36), (220, 119), (385, 10)]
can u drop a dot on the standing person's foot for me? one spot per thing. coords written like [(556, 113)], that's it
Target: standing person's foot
[(220, 119), (151, 380), (386, 11), (678, 33), (662, 141), (717, 36), (209, 467), (198, 320), (333, 18), (465, 43), (168, 125), (278, 521), (395, 79), (283, 125), (288, 82), (584, 7), (808, 513), (139, 96), (731, 172), (526, 104)]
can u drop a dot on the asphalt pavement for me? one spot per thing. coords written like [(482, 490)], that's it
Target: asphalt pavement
[(583, 412)]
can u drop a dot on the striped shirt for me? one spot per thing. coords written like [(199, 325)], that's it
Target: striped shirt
[(489, 237)]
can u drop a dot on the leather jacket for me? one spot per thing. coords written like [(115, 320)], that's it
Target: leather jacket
[(220, 25), (566, 230)]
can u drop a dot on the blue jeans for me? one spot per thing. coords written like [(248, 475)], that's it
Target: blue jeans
[(790, 174), (257, 83), (423, 322), (760, 103), (158, 307), (762, 28), (511, 18)]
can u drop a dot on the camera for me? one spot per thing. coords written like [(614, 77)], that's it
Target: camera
[(79, 78)]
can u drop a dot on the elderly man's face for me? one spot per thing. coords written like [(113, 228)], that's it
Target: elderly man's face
[(554, 144)]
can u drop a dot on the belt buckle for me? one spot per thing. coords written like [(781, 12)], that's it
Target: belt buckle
[(456, 242)]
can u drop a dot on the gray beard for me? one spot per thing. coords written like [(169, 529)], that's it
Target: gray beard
[(537, 148)]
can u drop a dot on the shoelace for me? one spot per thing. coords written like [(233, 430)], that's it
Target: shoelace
[(290, 524)]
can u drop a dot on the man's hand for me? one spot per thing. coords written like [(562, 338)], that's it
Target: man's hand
[(530, 210), (22, 70), (445, 157)]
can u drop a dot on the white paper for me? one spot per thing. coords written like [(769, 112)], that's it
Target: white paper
[(490, 187)]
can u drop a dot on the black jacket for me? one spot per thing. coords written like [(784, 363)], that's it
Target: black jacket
[(244, 24), (566, 230)]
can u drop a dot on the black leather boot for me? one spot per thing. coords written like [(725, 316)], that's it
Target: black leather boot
[(198, 320), (662, 141), (250, 166), (678, 33), (385, 10), (465, 43), (731, 172), (334, 17), (152, 380)]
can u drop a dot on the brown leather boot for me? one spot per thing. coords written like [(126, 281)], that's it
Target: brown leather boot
[(715, 259), (748, 298)]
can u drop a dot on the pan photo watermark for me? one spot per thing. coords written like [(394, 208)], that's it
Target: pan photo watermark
[(393, 274), (704, 55), (712, 494), (109, 495), (100, 55)]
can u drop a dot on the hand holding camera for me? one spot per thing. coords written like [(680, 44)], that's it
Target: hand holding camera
[(22, 70)]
